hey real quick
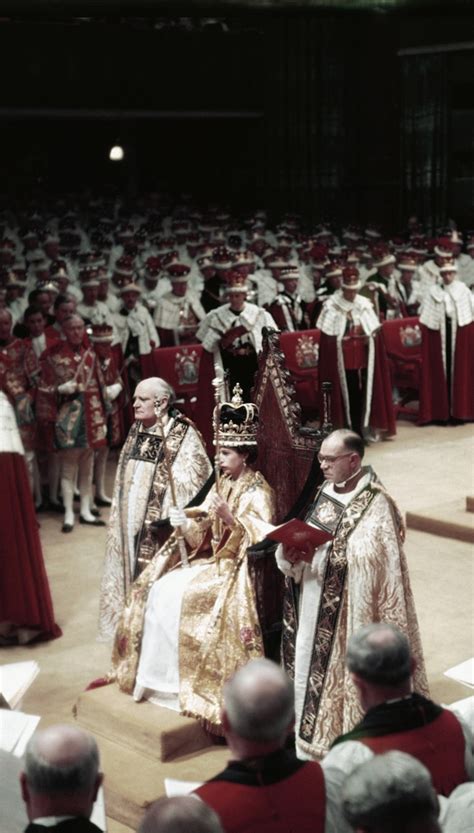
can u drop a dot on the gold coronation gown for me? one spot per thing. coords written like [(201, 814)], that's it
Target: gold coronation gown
[(184, 631)]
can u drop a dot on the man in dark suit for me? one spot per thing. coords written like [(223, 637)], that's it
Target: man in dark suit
[(60, 780)]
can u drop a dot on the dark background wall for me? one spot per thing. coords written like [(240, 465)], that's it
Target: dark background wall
[(292, 111)]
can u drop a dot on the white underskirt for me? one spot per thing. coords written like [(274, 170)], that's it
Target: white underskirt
[(158, 669)]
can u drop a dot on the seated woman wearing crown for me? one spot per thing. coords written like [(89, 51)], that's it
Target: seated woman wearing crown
[(185, 630)]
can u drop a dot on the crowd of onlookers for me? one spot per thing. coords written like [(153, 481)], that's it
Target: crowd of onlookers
[(148, 275), (407, 767), (90, 251)]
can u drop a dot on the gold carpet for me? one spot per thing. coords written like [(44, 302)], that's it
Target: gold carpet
[(421, 467)]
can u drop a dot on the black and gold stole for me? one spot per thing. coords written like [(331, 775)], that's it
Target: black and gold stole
[(333, 516)]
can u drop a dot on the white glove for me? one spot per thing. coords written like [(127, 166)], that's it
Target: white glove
[(178, 518), (68, 387), (373, 285), (112, 391), (294, 571)]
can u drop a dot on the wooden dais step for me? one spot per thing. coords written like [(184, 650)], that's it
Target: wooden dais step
[(132, 781), (448, 519), (155, 732)]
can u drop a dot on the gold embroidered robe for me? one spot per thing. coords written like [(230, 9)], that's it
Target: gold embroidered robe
[(142, 495), (365, 580), (219, 628), (79, 418)]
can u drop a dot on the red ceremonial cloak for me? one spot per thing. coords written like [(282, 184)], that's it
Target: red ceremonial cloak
[(434, 398), (26, 609), (382, 416)]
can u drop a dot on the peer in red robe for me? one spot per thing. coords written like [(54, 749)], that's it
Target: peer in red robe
[(447, 326), (352, 357), (26, 609)]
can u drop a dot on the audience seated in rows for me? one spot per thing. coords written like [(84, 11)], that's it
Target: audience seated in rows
[(407, 767)]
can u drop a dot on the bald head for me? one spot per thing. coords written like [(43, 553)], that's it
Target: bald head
[(152, 396), (347, 440), (259, 702), (61, 758), (380, 654), (61, 745), (155, 386), (181, 814), (61, 773)]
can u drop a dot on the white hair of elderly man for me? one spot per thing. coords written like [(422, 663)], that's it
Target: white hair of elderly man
[(392, 793)]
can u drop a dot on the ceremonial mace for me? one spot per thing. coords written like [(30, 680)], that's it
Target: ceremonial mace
[(179, 533)]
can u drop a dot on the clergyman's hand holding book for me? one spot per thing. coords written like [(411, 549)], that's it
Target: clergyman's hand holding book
[(296, 535)]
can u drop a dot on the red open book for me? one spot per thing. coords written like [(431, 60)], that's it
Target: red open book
[(298, 534)]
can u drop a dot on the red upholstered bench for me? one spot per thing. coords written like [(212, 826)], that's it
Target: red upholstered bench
[(301, 351), (402, 338)]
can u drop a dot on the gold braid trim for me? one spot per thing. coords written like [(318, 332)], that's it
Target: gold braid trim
[(331, 600), (290, 626), (128, 637), (291, 597), (146, 543)]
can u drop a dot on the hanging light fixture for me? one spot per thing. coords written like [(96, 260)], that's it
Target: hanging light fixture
[(116, 153)]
